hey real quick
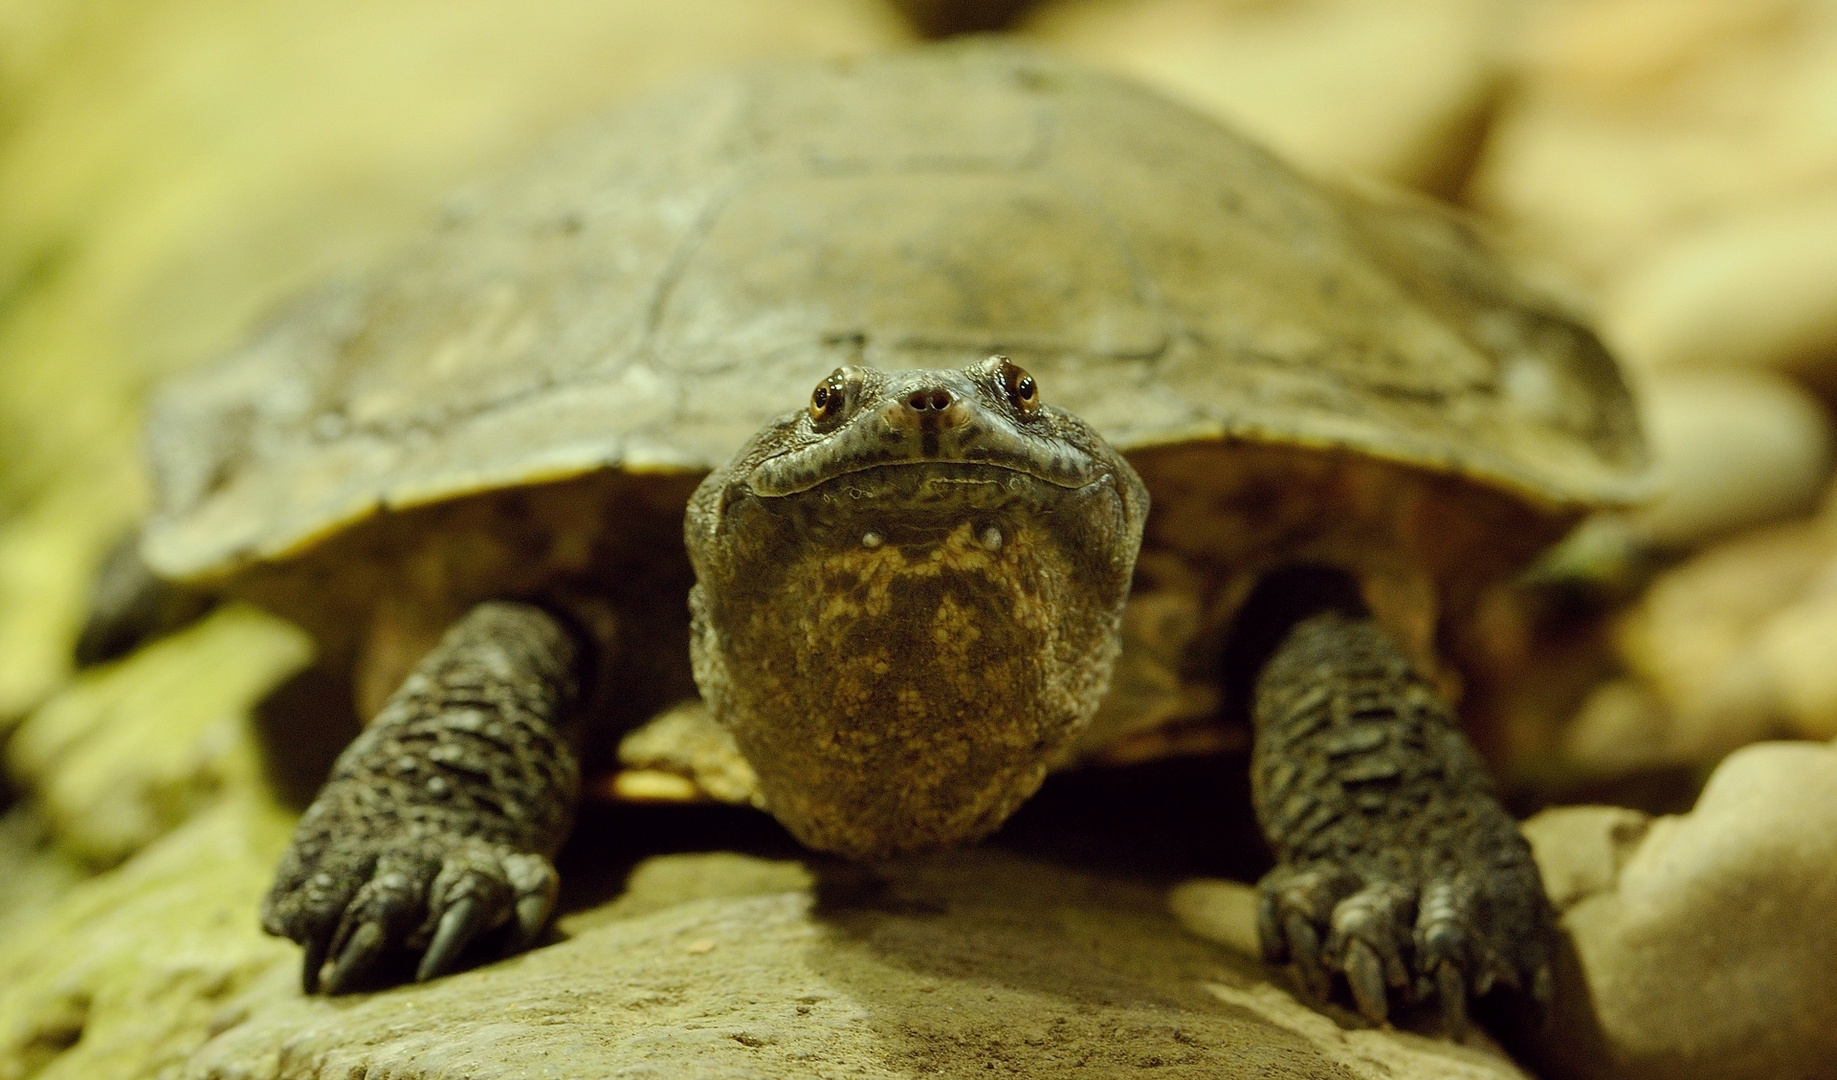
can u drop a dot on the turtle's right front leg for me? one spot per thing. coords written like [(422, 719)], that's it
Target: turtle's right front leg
[(439, 821), (1396, 864)]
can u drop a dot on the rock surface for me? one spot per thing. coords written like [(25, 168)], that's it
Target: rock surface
[(1733, 645), (716, 965), (1733, 449), (1678, 155), (130, 750), (1702, 943)]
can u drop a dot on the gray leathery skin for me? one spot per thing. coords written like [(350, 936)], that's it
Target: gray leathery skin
[(439, 821), (1396, 865)]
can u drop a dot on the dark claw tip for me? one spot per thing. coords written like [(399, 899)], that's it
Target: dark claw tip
[(1452, 990), (314, 960), (1365, 974), (461, 923), (359, 950)]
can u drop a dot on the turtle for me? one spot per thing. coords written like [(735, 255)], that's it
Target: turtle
[(864, 440)]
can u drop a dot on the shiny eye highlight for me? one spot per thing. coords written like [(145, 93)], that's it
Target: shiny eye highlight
[(828, 399), (1023, 392)]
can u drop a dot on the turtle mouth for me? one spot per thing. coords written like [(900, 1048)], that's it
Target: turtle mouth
[(923, 485), (989, 455)]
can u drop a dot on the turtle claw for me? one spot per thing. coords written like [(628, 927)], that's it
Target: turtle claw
[(465, 920), (1365, 974), (436, 897), (359, 952), (313, 962), (1453, 938), (1451, 989)]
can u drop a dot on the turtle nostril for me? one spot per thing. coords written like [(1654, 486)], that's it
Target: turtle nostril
[(933, 400)]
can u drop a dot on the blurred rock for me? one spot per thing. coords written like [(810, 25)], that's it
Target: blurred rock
[(1753, 287), (1732, 450), (1622, 727), (1697, 640), (1701, 947), (130, 750), (1390, 88), (1580, 850), (1797, 648), (36, 875), (710, 965), (1220, 911), (1636, 120), (169, 169), (127, 973)]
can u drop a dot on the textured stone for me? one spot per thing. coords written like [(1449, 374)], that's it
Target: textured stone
[(1390, 89), (130, 750), (707, 965), (1701, 943)]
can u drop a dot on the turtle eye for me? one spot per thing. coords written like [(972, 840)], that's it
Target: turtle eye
[(1023, 392), (827, 399)]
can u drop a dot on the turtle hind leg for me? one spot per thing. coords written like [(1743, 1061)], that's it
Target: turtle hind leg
[(439, 822), (130, 605), (1398, 870)]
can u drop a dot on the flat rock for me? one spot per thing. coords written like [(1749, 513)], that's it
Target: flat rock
[(707, 965)]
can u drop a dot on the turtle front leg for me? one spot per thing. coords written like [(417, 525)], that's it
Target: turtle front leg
[(1396, 865), (439, 821)]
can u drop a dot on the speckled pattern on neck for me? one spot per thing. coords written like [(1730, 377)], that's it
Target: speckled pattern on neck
[(903, 650)]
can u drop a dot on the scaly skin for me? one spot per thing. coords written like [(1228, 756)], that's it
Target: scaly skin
[(1396, 865), (439, 821)]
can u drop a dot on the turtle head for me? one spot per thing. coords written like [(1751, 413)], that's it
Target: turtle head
[(908, 600)]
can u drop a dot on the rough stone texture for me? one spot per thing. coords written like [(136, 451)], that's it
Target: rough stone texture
[(131, 750), (1380, 88), (1701, 944), (708, 965)]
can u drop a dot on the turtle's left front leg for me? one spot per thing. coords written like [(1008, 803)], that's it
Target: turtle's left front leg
[(1396, 865)]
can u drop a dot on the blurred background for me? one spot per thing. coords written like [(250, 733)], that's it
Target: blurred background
[(169, 169)]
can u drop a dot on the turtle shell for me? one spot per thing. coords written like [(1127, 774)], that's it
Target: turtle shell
[(660, 284)]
